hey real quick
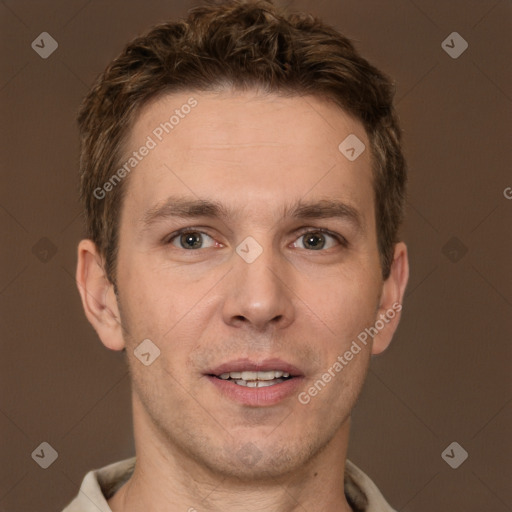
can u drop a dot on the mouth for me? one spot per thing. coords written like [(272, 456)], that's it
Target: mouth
[(256, 383), (259, 379)]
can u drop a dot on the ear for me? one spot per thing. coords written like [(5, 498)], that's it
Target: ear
[(390, 306), (98, 297)]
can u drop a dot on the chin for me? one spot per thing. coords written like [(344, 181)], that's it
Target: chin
[(254, 458), (251, 464)]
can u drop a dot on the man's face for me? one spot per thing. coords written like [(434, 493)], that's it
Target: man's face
[(259, 284)]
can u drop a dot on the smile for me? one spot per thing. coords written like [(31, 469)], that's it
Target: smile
[(259, 379)]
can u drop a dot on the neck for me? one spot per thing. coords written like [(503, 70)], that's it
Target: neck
[(167, 479)]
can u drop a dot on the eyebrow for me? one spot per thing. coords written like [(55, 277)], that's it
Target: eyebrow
[(185, 208)]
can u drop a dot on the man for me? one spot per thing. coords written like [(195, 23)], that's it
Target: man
[(244, 185)]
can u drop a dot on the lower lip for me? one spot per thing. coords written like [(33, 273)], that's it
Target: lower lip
[(269, 395)]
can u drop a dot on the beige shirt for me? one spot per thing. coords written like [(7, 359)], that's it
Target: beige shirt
[(101, 484)]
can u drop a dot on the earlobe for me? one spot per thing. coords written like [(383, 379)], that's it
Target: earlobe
[(98, 297), (390, 306)]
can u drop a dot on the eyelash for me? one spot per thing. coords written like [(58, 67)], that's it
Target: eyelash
[(341, 240)]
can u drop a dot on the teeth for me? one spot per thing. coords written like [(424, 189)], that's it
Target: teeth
[(269, 375), (257, 383), (250, 376)]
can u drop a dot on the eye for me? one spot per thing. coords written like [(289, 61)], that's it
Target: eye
[(314, 239), (189, 239), (318, 239)]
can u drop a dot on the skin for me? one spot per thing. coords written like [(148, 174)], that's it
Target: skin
[(253, 153)]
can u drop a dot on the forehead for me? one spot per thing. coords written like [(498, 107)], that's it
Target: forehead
[(247, 149), (227, 119)]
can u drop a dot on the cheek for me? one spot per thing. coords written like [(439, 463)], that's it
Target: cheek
[(171, 319), (145, 314), (334, 389), (344, 305)]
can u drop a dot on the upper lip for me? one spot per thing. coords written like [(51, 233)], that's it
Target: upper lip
[(239, 365)]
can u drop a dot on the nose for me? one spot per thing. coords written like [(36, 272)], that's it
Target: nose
[(259, 294)]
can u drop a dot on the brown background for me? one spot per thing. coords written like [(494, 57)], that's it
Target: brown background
[(446, 376)]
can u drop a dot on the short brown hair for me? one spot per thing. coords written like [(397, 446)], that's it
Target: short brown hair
[(244, 45)]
